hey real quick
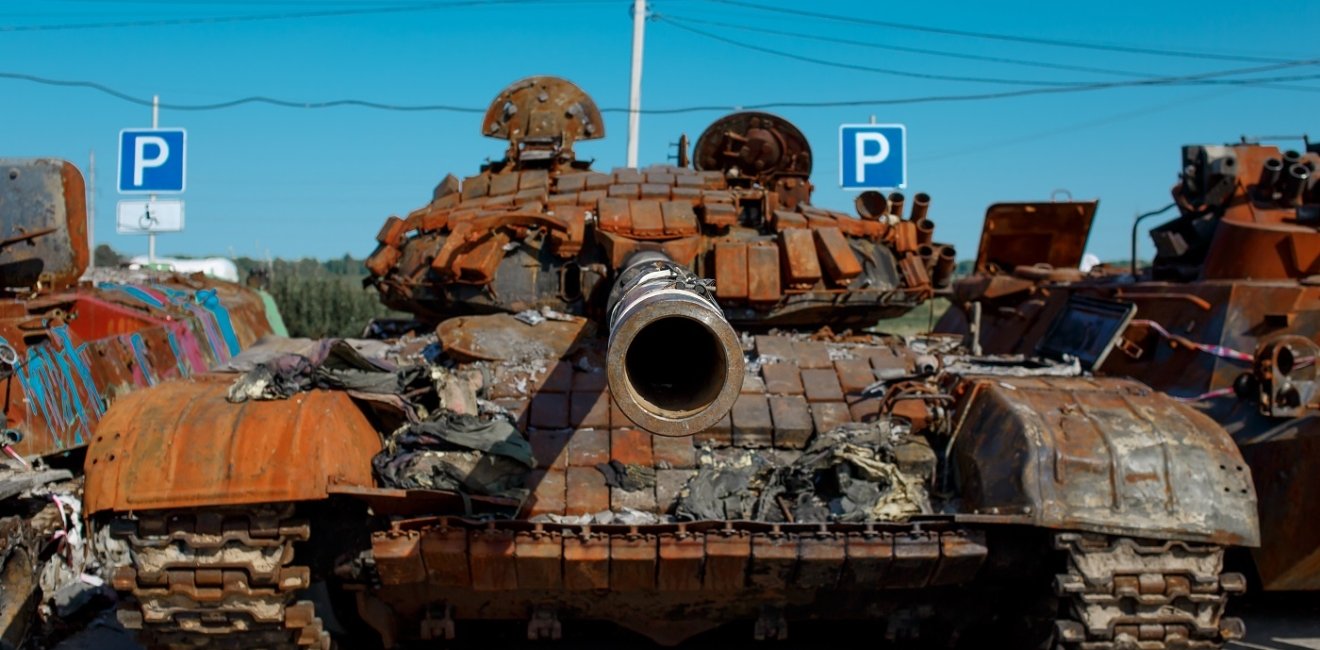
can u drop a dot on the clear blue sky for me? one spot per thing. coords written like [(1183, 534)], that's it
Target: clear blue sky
[(299, 182)]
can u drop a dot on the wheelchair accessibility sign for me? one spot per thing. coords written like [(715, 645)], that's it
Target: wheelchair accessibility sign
[(148, 217)]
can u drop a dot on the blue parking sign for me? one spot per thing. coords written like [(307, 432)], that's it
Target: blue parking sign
[(152, 160), (872, 156)]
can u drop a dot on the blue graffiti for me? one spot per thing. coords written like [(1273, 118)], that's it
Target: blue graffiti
[(175, 296), (136, 292), (57, 384), (140, 353), (207, 298), (206, 306), (204, 303), (56, 377), (180, 359), (79, 363)]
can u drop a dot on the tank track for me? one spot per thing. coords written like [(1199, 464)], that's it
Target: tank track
[(219, 578), (1121, 593)]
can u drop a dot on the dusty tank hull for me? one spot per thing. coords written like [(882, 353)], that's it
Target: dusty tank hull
[(69, 348), (1230, 285), (543, 459)]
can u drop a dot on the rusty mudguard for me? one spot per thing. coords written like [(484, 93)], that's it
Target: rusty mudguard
[(182, 445), (1102, 455)]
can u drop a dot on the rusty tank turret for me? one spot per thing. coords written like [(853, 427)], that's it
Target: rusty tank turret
[(645, 397), (71, 346), (1224, 319)]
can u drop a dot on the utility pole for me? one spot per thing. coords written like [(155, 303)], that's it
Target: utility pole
[(635, 94), (91, 210), (151, 202)]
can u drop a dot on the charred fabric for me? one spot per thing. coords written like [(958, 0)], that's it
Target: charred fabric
[(442, 432), (618, 403)]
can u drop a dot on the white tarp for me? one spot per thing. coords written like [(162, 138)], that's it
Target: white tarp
[(216, 267)]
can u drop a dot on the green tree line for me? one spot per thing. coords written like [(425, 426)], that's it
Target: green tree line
[(319, 298)]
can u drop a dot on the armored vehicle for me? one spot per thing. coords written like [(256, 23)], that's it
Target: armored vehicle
[(649, 400), (1225, 319), (70, 347)]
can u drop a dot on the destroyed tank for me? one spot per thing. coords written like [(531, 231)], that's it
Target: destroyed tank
[(647, 397), (1225, 319), (70, 346)]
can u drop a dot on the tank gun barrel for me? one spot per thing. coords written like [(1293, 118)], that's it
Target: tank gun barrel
[(675, 365)]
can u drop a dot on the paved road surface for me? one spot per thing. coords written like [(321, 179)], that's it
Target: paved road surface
[(1273, 623), (1281, 622)]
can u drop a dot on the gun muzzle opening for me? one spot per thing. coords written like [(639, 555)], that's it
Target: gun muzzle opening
[(675, 365)]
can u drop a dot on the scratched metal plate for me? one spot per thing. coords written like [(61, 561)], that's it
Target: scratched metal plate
[(43, 222)]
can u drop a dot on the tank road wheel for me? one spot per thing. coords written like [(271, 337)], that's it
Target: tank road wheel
[(218, 578), (1122, 593)]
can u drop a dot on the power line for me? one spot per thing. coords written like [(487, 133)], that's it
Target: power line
[(287, 15), (1115, 118), (1006, 94), (855, 66), (208, 20), (889, 101), (1003, 37), (198, 3), (256, 99), (1191, 79), (976, 57), (901, 48)]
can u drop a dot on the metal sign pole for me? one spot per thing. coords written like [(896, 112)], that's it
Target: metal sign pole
[(635, 88), (91, 211), (151, 236)]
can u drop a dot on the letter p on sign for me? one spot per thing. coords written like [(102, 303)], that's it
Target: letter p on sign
[(141, 160), (872, 156), (152, 161)]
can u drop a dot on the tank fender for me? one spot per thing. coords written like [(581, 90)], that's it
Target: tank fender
[(1101, 455), (180, 444)]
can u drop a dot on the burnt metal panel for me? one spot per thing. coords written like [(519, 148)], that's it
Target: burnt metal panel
[(518, 112), (731, 271), (1102, 455), (1026, 234), (43, 223), (205, 451), (1289, 555)]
